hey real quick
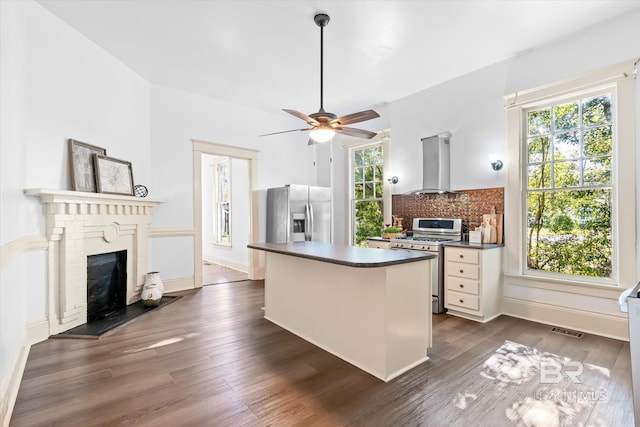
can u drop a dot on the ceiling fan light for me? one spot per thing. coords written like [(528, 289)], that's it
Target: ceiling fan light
[(322, 134)]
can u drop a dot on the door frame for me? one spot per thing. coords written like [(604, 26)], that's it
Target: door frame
[(206, 147)]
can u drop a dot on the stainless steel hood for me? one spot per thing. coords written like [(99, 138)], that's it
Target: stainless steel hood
[(436, 164)]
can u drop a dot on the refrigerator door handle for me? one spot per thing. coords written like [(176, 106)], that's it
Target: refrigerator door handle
[(311, 225), (307, 228)]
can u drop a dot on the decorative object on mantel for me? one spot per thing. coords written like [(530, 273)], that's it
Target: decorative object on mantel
[(83, 176), (152, 290), (140, 191), (113, 176)]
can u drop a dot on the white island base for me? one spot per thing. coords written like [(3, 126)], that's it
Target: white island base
[(376, 318)]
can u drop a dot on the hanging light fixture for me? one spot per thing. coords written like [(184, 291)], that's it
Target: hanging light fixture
[(325, 125)]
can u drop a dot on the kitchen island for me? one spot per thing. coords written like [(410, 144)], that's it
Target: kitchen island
[(370, 307)]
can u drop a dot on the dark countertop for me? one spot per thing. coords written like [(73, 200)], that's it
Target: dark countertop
[(473, 245), (350, 256)]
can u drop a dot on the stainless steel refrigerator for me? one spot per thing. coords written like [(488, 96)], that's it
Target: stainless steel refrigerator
[(296, 213)]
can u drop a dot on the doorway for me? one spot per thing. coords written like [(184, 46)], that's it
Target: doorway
[(225, 219), (228, 244)]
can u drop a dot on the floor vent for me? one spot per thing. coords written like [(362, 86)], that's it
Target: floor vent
[(567, 332)]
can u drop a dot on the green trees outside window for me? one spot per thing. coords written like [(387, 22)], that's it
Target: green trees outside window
[(368, 190), (569, 187)]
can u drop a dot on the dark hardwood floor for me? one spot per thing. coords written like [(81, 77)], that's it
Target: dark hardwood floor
[(210, 359), (215, 274)]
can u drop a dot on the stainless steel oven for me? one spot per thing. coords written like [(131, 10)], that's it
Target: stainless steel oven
[(428, 236)]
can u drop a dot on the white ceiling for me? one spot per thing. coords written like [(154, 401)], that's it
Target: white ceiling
[(265, 54)]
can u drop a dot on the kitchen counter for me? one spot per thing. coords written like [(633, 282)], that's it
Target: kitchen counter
[(350, 256), (380, 239), (473, 245), (370, 307)]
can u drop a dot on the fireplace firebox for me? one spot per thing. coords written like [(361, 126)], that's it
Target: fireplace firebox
[(106, 284)]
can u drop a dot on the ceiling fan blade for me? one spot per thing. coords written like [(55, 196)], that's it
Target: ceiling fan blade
[(360, 116), (302, 116), (359, 133), (285, 131)]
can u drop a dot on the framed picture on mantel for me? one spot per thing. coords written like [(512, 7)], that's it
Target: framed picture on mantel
[(113, 176), (83, 175)]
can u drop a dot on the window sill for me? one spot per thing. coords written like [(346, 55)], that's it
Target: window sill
[(562, 285)]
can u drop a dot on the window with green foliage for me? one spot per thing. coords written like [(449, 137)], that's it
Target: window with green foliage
[(367, 193), (569, 149)]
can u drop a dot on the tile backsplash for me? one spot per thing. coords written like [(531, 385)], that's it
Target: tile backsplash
[(469, 205)]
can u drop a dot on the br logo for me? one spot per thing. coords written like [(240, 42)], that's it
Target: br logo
[(552, 371)]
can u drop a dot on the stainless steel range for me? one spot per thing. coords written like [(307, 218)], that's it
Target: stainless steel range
[(428, 236)]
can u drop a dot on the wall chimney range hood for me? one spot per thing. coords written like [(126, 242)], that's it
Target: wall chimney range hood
[(436, 159)]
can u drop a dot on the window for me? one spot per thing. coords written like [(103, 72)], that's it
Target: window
[(222, 202), (569, 148), (570, 199), (367, 192)]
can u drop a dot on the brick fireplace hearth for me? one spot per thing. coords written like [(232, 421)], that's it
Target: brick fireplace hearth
[(81, 224)]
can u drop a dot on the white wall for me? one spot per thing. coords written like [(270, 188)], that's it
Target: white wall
[(471, 107), (55, 85), (234, 255), (177, 117)]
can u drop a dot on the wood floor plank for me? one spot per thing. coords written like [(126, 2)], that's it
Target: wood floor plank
[(211, 358)]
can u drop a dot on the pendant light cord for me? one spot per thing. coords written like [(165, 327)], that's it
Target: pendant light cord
[(321, 66)]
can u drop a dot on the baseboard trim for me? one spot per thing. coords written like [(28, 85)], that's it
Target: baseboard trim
[(257, 274), (175, 285), (18, 247), (226, 263), (35, 332), (602, 324)]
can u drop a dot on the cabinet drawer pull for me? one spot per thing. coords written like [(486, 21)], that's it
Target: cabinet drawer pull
[(461, 301), (461, 271), (461, 256), (461, 285)]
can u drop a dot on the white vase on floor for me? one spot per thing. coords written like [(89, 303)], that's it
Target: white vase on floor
[(152, 289)]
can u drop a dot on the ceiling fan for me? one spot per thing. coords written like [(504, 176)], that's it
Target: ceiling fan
[(325, 125)]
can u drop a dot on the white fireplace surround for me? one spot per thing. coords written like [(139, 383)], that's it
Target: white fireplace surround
[(82, 224)]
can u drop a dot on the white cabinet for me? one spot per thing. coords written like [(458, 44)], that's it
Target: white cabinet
[(472, 282), (380, 244)]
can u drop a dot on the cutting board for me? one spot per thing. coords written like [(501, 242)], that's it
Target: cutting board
[(494, 220)]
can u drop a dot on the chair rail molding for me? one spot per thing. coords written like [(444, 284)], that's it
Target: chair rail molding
[(18, 247)]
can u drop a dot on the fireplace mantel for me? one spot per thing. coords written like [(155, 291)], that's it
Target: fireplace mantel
[(81, 197), (80, 224)]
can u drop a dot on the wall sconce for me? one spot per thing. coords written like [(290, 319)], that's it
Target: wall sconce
[(496, 164), (393, 180)]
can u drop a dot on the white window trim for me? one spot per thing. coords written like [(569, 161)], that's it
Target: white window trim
[(620, 82), (349, 147)]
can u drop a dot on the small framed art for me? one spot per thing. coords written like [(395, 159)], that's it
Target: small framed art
[(83, 176), (113, 176)]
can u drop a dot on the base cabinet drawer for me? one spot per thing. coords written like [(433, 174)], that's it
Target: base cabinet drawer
[(458, 269), (459, 284), (472, 282), (469, 256), (459, 299)]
